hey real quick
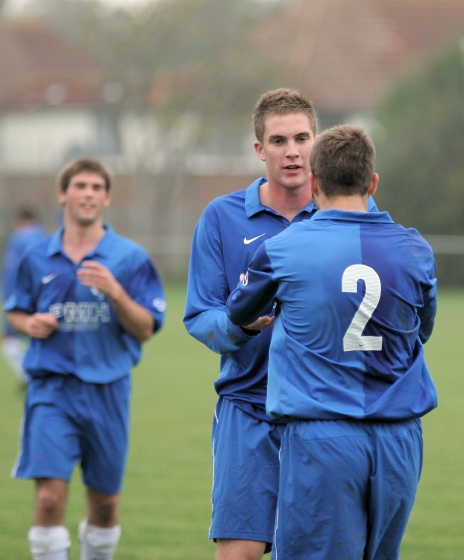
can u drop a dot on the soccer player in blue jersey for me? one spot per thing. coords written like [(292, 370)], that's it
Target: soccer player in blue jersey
[(245, 440), (87, 297), (27, 231), (355, 298)]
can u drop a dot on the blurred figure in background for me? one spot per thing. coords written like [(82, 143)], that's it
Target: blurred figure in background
[(87, 298), (27, 230)]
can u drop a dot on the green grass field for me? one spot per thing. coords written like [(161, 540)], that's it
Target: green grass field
[(165, 507)]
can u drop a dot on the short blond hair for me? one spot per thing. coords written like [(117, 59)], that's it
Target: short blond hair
[(281, 101)]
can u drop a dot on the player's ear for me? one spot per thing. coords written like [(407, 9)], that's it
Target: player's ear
[(259, 150), (373, 184), (61, 195), (314, 184)]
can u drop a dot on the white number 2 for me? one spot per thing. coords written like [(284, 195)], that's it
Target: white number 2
[(353, 339)]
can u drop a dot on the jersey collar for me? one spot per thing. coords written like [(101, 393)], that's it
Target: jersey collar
[(253, 205), (346, 216), (103, 247)]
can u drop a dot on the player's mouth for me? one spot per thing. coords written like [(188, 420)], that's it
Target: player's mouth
[(292, 167), (87, 210)]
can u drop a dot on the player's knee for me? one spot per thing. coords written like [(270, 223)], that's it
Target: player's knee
[(49, 503), (46, 540), (104, 508)]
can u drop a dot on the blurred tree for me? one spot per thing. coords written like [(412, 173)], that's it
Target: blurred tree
[(185, 70), (420, 149), (165, 40), (175, 55)]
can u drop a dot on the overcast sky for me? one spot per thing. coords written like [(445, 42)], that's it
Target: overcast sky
[(15, 6)]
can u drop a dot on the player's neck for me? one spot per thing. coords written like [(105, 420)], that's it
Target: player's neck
[(77, 240), (353, 203), (286, 201)]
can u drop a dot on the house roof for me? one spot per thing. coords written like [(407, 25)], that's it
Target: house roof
[(338, 51), (39, 67), (344, 54), (424, 25)]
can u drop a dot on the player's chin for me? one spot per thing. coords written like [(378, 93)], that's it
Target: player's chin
[(295, 178), (295, 185), (86, 221)]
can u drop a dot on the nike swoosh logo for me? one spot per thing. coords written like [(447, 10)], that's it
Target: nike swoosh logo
[(248, 241), (49, 277)]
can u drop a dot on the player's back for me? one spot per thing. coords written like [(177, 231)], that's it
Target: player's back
[(356, 291)]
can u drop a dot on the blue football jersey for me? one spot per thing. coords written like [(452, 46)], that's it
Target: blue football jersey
[(17, 244), (224, 241), (90, 342), (356, 300)]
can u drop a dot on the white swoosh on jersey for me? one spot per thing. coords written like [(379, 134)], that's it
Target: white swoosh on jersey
[(49, 277), (248, 241)]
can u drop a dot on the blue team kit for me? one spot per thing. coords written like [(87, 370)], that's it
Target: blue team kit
[(53, 288), (345, 362), (79, 391), (356, 299), (244, 357)]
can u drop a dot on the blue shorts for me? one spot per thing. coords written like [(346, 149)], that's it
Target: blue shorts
[(68, 421), (245, 475), (346, 489)]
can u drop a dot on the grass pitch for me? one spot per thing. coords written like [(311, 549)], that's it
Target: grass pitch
[(165, 509)]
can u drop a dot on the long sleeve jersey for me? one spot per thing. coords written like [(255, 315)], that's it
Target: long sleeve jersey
[(225, 239), (356, 299)]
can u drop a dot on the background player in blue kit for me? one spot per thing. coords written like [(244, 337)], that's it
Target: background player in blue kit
[(27, 230), (88, 298), (245, 440), (356, 300)]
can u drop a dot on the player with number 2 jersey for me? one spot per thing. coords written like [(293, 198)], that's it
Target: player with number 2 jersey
[(355, 297), (361, 265)]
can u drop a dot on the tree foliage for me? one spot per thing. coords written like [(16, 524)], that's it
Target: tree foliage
[(165, 40), (420, 154), (420, 151), (179, 59)]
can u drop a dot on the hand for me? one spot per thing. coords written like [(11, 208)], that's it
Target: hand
[(261, 323), (94, 275), (41, 325)]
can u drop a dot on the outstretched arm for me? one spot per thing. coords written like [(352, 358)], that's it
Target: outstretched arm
[(252, 299), (207, 291)]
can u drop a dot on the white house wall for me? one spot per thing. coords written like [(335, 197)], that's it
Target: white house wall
[(40, 141)]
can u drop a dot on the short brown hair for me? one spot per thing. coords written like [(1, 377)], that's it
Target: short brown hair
[(343, 160), (280, 102), (79, 165)]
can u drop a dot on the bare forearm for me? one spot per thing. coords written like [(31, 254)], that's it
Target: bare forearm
[(19, 321), (35, 325), (135, 319)]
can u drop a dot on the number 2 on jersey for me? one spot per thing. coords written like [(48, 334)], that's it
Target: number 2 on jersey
[(353, 339)]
